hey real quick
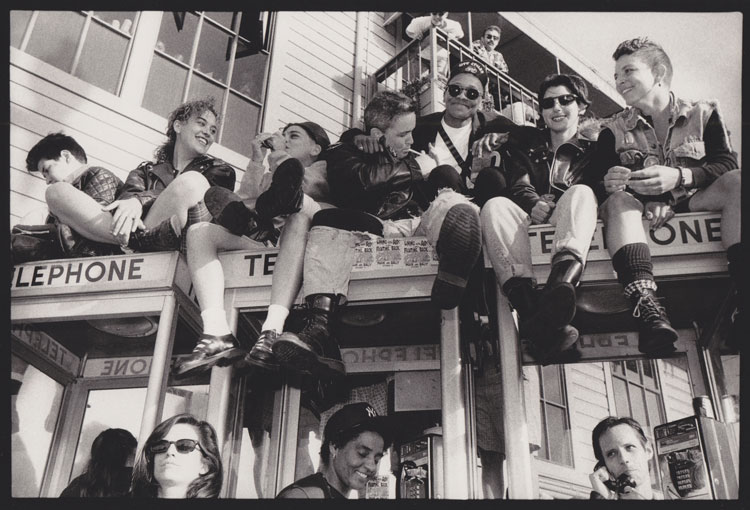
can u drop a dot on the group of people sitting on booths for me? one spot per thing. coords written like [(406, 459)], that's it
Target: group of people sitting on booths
[(465, 179)]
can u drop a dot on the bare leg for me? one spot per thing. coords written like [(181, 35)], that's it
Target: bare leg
[(205, 240), (181, 194), (724, 195), (78, 210), (622, 214)]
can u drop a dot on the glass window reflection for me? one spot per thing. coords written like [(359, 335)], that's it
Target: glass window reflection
[(102, 57), (175, 41), (214, 50), (55, 38)]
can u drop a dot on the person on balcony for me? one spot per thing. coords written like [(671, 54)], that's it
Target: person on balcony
[(485, 48), (285, 196), (550, 176), (159, 199), (421, 25), (64, 165), (660, 156), (380, 194)]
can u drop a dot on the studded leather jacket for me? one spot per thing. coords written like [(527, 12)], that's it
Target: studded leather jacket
[(534, 170), (148, 180)]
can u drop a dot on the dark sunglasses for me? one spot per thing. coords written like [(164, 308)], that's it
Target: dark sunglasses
[(182, 445), (549, 102), (455, 91)]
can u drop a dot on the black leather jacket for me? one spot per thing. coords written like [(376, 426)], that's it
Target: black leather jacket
[(527, 162), (375, 183), (148, 180)]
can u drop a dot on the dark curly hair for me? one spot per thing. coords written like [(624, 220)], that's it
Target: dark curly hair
[(207, 485), (611, 422), (183, 113), (651, 52), (50, 147)]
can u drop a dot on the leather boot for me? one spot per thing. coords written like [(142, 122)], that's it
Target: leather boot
[(313, 350), (162, 237), (656, 337), (229, 211), (557, 301)]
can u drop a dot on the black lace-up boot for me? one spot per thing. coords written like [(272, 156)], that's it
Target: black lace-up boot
[(313, 350), (261, 355), (656, 337)]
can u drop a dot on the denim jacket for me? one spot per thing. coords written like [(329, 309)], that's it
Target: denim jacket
[(637, 146)]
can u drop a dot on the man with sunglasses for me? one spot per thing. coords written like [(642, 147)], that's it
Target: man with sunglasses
[(485, 48), (550, 183)]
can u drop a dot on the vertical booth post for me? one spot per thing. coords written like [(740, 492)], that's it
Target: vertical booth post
[(157, 378), (455, 442), (520, 484)]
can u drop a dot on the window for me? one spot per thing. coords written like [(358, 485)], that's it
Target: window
[(92, 45), (222, 54), (556, 435), (637, 393)]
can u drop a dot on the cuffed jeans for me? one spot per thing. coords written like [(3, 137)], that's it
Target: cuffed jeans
[(505, 230), (331, 251)]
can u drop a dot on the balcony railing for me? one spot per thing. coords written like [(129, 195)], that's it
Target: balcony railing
[(412, 71)]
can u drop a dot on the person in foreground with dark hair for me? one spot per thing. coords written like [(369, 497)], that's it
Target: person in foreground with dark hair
[(64, 165), (354, 440), (180, 459), (622, 452), (548, 173), (109, 469)]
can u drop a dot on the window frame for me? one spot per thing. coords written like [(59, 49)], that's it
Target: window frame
[(565, 406)]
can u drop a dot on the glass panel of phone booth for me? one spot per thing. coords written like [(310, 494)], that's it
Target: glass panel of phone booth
[(35, 406), (113, 408)]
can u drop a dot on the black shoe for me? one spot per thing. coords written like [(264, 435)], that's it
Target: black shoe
[(230, 212), (557, 303), (558, 346), (459, 245), (656, 337), (313, 350), (162, 237), (261, 355), (209, 351), (285, 194)]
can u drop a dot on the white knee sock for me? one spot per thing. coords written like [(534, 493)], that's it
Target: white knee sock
[(275, 318), (215, 322)]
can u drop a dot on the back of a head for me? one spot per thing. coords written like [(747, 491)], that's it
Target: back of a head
[(110, 452)]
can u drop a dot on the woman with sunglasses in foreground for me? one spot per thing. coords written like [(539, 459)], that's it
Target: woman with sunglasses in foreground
[(548, 172), (180, 459)]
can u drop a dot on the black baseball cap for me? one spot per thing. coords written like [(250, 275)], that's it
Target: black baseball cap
[(316, 132), (470, 67), (360, 415)]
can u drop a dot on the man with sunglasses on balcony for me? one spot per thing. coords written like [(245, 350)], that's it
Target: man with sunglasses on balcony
[(549, 173), (485, 48)]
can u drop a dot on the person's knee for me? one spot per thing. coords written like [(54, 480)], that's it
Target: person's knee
[(496, 207), (56, 195), (621, 202), (490, 183), (348, 219), (192, 184), (731, 184)]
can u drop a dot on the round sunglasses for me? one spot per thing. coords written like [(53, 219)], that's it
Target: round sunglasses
[(565, 100), (182, 446), (455, 91)]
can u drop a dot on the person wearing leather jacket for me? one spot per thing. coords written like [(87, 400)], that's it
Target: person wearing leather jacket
[(378, 194), (550, 178), (159, 199)]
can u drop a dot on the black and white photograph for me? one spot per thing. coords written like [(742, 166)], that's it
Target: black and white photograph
[(349, 254)]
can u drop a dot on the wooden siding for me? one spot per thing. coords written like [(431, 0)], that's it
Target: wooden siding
[(312, 72)]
